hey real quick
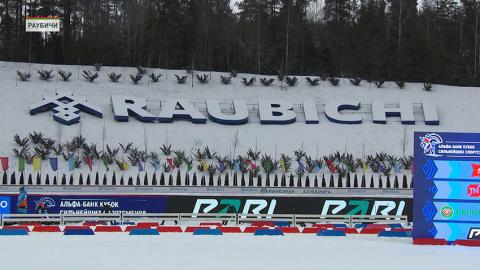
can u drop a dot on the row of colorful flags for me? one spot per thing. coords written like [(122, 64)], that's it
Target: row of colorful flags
[(53, 161), (37, 164)]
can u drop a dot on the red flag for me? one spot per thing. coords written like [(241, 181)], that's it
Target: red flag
[(331, 167), (89, 162), (253, 166), (170, 163), (4, 163)]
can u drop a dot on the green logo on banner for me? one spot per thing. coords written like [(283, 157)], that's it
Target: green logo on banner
[(446, 211)]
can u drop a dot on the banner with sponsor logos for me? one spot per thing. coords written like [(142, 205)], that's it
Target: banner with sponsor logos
[(293, 205), (89, 204), (5, 204), (218, 204), (446, 191)]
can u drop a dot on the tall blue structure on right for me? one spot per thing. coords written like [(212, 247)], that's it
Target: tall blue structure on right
[(446, 194)]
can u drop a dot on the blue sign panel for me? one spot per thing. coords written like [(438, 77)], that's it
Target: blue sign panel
[(4, 205), (446, 194), (89, 204)]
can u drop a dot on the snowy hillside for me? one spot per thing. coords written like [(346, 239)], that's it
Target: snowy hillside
[(457, 110)]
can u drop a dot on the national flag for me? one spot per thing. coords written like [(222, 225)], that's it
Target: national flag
[(71, 163), (316, 167), (89, 162), (205, 165), (396, 167), (156, 166), (21, 164), (381, 168), (282, 165), (170, 163), (331, 166), (54, 164), (105, 162), (253, 166), (37, 164), (140, 167), (236, 166), (4, 163), (125, 166), (301, 167), (364, 166), (221, 167)]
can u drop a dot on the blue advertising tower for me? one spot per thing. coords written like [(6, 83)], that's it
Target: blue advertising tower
[(446, 192)]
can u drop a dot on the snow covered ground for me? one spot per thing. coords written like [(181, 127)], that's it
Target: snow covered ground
[(183, 251), (457, 108)]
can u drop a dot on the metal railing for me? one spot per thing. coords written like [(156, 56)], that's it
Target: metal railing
[(178, 218)]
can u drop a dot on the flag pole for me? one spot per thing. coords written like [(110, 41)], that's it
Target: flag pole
[(57, 169)]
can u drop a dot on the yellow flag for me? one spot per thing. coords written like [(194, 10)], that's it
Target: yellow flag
[(205, 165), (37, 164), (125, 166), (282, 164), (364, 166)]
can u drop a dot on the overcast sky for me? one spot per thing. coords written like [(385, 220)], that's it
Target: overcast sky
[(232, 5)]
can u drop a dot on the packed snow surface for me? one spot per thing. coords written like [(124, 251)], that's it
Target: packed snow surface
[(184, 251)]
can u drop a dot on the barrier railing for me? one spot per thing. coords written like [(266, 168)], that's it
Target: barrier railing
[(178, 218)]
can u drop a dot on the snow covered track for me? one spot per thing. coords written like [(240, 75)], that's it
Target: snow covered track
[(230, 251)]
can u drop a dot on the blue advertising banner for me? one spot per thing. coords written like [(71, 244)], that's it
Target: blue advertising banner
[(446, 193), (88, 204)]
